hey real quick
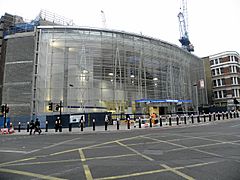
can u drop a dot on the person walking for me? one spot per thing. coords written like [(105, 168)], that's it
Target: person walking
[(31, 126), (37, 127)]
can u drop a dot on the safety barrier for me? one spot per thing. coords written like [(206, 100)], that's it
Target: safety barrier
[(161, 121)]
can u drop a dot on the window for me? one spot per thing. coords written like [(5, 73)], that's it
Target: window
[(211, 62), (214, 83), (233, 69), (213, 72), (236, 59), (223, 82), (224, 93), (220, 94), (234, 80), (219, 82), (221, 70)]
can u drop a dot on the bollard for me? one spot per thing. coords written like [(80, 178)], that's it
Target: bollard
[(192, 118), (218, 115), (46, 130), (56, 126), (139, 122), (185, 119), (93, 124), (150, 122), (128, 123), (28, 126), (118, 121), (70, 127), (198, 118), (230, 114), (234, 114), (19, 126), (60, 126), (204, 117), (81, 124), (214, 116), (170, 120), (106, 124), (209, 117), (160, 119), (237, 114), (227, 114), (223, 115), (177, 119)]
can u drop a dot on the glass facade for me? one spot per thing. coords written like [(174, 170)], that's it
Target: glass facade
[(99, 70)]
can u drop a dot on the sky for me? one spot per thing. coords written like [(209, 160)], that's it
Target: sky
[(213, 25)]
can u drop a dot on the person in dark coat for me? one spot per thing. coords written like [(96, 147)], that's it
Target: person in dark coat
[(32, 125), (37, 127)]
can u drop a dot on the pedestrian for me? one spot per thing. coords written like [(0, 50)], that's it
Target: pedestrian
[(37, 127), (31, 126)]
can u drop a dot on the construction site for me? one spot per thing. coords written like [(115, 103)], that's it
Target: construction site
[(51, 66)]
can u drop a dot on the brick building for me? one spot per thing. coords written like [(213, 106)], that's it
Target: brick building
[(225, 71)]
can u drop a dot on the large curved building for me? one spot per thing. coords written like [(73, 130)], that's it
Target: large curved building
[(97, 70)]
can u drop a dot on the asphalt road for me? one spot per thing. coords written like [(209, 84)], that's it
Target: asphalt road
[(206, 151)]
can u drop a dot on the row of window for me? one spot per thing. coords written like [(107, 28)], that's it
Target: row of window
[(229, 69), (222, 60), (223, 93), (222, 82)]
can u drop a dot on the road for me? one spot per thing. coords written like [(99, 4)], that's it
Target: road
[(200, 151)]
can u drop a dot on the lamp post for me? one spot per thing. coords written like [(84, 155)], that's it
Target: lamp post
[(196, 91)]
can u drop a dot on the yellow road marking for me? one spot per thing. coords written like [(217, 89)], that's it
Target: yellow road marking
[(45, 162), (140, 154), (29, 174), (198, 146), (85, 166), (133, 174), (94, 146), (155, 171), (144, 143), (177, 172), (184, 147), (200, 164), (16, 161), (164, 141), (110, 157), (82, 156), (209, 153)]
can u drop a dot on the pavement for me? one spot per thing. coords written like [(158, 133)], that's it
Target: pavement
[(209, 150), (123, 127)]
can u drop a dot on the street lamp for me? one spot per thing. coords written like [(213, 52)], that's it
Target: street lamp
[(196, 90)]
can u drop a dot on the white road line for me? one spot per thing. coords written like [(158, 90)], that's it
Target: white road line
[(236, 125), (12, 151)]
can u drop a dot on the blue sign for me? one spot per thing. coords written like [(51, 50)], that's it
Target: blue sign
[(162, 101)]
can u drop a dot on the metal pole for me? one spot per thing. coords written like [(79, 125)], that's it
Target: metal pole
[(5, 116), (196, 88), (61, 111)]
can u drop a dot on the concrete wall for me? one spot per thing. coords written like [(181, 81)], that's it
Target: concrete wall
[(18, 74)]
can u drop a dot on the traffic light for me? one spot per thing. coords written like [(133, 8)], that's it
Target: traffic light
[(50, 106), (57, 107)]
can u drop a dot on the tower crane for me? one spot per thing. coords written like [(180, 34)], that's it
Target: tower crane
[(183, 27), (103, 19)]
